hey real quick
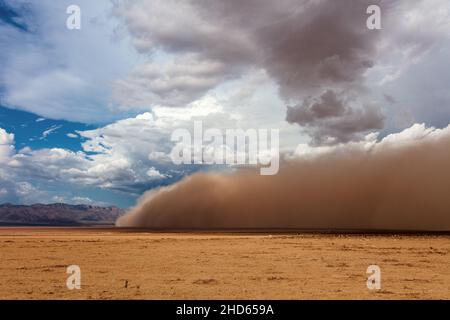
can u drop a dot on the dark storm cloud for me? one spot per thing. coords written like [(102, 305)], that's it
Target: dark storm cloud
[(328, 106), (389, 98), (305, 46), (312, 46), (325, 43), (330, 119)]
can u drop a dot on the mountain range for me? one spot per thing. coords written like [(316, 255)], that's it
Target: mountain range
[(57, 214)]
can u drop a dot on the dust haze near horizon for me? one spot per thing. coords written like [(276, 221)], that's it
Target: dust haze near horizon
[(398, 183)]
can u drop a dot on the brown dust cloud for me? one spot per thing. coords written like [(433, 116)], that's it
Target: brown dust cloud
[(399, 183)]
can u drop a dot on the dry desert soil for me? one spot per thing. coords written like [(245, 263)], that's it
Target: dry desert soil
[(126, 264)]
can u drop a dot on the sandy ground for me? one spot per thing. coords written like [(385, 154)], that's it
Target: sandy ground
[(142, 265)]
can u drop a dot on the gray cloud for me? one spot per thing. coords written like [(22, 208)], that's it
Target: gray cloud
[(326, 43), (328, 106), (175, 84), (307, 47), (330, 119)]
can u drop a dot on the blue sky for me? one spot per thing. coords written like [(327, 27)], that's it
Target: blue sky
[(86, 115), (37, 132)]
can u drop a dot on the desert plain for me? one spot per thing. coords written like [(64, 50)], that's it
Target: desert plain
[(141, 264)]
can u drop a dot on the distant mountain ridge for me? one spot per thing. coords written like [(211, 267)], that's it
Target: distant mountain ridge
[(57, 214)]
